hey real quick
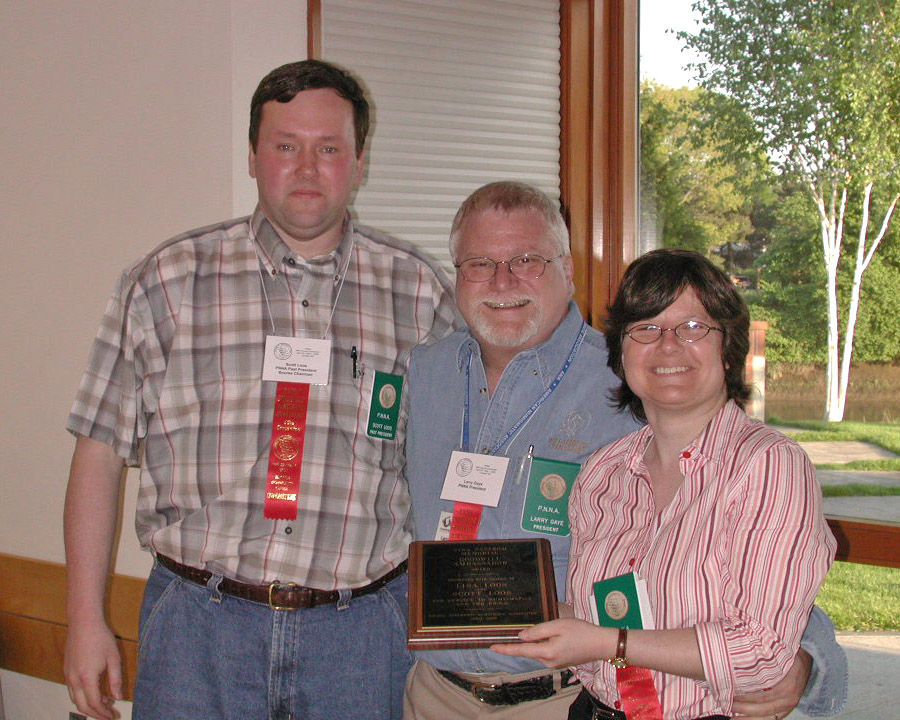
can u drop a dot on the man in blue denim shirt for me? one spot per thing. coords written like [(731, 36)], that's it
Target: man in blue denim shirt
[(529, 379)]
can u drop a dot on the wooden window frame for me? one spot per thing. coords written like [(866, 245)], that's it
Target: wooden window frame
[(599, 144)]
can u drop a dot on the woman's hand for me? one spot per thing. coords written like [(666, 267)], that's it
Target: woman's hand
[(562, 643)]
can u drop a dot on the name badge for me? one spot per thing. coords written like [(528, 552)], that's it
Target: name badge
[(474, 478), (385, 406), (546, 508), (297, 360)]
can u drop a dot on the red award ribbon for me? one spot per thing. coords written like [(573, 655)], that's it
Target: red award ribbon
[(286, 451), (638, 693), (465, 521)]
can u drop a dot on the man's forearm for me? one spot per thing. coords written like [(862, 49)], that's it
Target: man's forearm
[(91, 510)]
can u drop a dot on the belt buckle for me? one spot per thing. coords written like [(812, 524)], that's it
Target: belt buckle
[(477, 687), (275, 587)]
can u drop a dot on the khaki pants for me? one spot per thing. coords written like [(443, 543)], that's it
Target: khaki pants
[(431, 697)]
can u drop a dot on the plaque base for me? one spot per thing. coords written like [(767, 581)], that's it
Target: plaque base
[(474, 593)]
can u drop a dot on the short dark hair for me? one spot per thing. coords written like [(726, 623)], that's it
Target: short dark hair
[(652, 283), (284, 82)]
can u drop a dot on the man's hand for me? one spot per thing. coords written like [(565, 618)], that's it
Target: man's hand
[(780, 700), (91, 653)]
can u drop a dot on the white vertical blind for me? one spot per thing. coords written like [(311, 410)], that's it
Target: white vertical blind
[(464, 92)]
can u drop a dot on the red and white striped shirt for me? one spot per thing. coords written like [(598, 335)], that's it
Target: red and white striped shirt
[(739, 554), (175, 379)]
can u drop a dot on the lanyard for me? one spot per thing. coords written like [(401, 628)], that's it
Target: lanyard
[(520, 423)]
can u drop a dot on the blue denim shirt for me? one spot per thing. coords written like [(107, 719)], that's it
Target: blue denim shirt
[(826, 691), (575, 420)]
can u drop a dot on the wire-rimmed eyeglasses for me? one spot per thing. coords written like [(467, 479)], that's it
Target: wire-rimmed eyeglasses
[(689, 331), (525, 267)]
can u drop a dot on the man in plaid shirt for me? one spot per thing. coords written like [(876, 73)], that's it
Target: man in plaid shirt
[(279, 585)]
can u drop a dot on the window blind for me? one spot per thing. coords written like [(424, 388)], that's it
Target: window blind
[(464, 93)]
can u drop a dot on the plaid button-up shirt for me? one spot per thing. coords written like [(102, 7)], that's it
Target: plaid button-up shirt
[(174, 383)]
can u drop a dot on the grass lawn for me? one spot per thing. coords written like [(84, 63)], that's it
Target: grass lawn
[(861, 597), (857, 597), (858, 490), (883, 434)]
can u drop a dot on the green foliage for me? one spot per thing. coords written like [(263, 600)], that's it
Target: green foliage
[(878, 324), (791, 297), (691, 194), (811, 76)]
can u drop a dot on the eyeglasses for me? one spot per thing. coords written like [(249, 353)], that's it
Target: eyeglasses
[(524, 267), (689, 331)]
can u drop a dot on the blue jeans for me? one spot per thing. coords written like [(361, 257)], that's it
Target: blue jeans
[(208, 656)]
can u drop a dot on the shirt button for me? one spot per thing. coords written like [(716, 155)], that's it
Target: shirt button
[(631, 562), (617, 704), (482, 391), (686, 454), (305, 303), (288, 530), (291, 262)]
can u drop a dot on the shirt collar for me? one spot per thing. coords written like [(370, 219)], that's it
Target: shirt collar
[(724, 424), (708, 444), (273, 250), (549, 355)]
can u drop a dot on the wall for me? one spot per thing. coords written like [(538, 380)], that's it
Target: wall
[(123, 124)]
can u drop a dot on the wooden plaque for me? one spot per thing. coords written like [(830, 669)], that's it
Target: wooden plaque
[(472, 594)]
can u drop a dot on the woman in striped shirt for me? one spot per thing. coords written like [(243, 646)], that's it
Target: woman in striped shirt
[(720, 515)]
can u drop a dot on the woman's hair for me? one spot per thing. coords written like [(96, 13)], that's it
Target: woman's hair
[(650, 285)]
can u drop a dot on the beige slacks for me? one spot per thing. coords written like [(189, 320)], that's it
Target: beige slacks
[(429, 696)]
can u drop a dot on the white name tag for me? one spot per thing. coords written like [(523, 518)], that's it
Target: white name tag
[(297, 360), (474, 478)]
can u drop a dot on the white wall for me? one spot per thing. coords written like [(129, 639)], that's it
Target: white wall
[(122, 124)]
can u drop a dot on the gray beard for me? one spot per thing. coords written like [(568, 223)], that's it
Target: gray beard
[(505, 337)]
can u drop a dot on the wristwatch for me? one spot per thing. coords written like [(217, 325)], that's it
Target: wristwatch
[(620, 661)]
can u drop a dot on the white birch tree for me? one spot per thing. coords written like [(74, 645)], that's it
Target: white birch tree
[(817, 84)]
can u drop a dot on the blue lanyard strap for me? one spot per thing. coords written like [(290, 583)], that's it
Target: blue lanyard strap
[(534, 406)]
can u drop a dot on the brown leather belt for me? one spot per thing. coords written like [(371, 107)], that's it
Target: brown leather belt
[(277, 595)]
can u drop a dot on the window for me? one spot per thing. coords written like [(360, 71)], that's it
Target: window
[(465, 93)]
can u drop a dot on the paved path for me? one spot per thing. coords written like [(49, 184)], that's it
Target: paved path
[(844, 451), (870, 508), (874, 660)]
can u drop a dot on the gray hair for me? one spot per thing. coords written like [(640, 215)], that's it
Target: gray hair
[(510, 196)]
